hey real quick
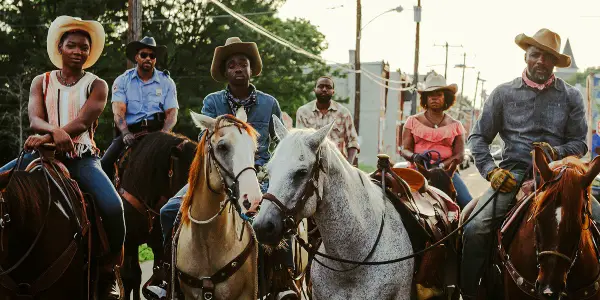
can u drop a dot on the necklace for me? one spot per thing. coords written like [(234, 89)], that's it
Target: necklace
[(434, 124), (64, 80)]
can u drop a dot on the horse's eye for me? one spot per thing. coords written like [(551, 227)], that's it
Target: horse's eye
[(222, 147), (301, 173)]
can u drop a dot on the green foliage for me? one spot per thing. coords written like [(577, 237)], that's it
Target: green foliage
[(366, 168), (188, 28), (581, 77), (145, 253)]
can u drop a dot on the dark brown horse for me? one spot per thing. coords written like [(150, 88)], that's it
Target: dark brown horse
[(44, 232), (156, 169), (553, 255), (440, 178)]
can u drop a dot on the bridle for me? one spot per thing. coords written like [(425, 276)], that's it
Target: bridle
[(309, 189), (232, 191)]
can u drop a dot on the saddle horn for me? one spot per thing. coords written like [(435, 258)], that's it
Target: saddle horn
[(541, 163)]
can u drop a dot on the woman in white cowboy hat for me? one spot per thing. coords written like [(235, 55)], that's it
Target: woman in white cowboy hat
[(434, 130), (64, 106)]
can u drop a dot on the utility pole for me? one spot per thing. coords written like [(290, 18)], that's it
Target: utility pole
[(474, 100), (413, 105), (357, 68), (462, 85), (134, 22), (447, 46)]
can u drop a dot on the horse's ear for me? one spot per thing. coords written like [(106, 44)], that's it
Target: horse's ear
[(421, 168), (541, 163), (241, 114), (280, 130), (451, 168), (593, 171), (316, 139), (202, 121)]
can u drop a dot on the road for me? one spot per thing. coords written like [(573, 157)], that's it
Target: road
[(475, 183)]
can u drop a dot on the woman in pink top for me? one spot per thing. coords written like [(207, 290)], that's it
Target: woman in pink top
[(434, 130)]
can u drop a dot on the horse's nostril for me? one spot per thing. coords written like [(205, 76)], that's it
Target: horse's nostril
[(245, 196), (270, 227), (246, 203)]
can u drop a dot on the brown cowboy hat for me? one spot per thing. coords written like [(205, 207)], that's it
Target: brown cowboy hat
[(545, 40), (146, 42), (232, 46)]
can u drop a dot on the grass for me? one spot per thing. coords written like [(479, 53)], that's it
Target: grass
[(145, 253), (367, 168)]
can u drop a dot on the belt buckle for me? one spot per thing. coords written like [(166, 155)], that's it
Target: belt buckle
[(144, 123)]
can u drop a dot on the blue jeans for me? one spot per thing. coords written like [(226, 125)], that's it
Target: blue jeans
[(463, 197), (477, 238), (91, 179)]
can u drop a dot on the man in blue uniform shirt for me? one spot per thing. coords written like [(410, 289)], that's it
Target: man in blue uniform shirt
[(144, 99)]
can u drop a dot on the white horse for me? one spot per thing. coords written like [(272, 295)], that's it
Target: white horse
[(348, 209), (213, 236)]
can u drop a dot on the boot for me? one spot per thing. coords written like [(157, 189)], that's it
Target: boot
[(157, 287), (110, 286)]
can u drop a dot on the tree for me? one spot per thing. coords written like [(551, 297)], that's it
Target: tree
[(581, 77)]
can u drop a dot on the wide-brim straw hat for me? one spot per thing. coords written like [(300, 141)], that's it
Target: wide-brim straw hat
[(146, 42), (232, 46), (64, 24), (545, 40), (434, 82)]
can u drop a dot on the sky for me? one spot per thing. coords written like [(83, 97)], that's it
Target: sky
[(486, 29)]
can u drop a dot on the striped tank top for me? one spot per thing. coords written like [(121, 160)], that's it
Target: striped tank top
[(63, 105)]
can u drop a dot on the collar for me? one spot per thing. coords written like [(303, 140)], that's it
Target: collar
[(155, 76), (333, 106), (252, 89), (537, 86)]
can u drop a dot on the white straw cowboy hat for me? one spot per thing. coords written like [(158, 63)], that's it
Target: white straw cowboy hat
[(545, 40), (232, 46), (64, 24), (434, 82)]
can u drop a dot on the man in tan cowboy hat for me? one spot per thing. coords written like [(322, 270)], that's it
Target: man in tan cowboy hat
[(235, 63), (64, 106), (144, 99), (535, 108)]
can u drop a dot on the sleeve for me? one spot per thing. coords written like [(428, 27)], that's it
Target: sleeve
[(351, 135), (300, 118), (208, 106), (486, 129), (171, 97), (118, 90), (276, 111), (576, 132), (410, 123)]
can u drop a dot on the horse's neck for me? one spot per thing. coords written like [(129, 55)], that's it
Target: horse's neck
[(351, 209)]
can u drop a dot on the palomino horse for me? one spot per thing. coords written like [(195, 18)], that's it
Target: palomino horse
[(349, 211), (553, 255), (44, 233), (217, 250), (154, 170)]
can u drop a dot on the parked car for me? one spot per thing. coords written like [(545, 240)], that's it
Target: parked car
[(401, 164), (497, 155), (467, 160)]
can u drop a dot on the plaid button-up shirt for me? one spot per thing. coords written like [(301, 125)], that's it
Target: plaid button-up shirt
[(343, 133)]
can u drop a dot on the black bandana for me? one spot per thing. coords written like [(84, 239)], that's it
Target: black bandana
[(247, 103)]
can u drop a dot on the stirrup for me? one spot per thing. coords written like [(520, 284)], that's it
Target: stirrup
[(287, 295)]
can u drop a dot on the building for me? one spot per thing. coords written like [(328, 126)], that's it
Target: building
[(567, 73)]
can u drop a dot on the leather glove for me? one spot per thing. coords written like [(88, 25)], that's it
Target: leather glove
[(548, 149), (497, 177), (419, 159), (129, 139)]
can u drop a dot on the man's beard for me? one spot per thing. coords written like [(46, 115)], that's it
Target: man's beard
[(539, 77), (323, 98)]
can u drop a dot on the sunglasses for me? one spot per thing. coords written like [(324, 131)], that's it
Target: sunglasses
[(143, 55)]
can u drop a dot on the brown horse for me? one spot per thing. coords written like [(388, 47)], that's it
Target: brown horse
[(440, 178), (553, 255), (156, 169), (44, 234)]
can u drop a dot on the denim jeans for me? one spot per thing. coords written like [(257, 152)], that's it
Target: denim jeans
[(91, 179), (463, 197), (477, 236), (111, 155)]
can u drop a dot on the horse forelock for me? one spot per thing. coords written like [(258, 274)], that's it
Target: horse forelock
[(566, 191)]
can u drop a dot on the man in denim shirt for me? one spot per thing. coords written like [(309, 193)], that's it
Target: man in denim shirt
[(535, 108), (235, 63)]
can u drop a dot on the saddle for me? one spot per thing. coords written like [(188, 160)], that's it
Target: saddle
[(428, 216)]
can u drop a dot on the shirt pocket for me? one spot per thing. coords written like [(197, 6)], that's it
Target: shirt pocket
[(558, 112), (518, 114), (155, 100), (134, 106)]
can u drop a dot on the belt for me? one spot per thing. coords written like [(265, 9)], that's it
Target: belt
[(148, 125)]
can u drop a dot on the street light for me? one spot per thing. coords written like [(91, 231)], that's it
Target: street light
[(357, 59)]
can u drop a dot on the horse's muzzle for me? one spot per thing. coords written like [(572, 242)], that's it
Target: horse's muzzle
[(546, 292), (269, 229)]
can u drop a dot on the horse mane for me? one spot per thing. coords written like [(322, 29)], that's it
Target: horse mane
[(197, 167), (566, 190), (24, 194), (150, 159)]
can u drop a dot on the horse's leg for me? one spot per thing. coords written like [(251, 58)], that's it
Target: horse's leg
[(131, 274)]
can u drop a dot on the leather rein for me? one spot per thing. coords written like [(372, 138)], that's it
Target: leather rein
[(528, 287)]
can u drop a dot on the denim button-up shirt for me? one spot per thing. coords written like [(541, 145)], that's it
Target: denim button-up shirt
[(144, 99), (522, 116), (259, 117)]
